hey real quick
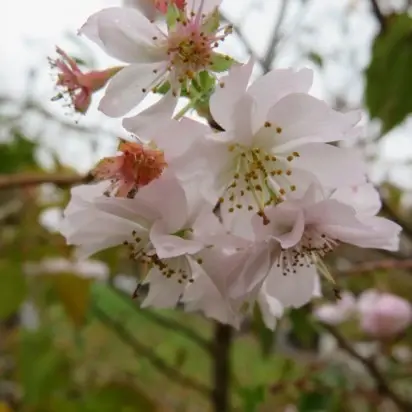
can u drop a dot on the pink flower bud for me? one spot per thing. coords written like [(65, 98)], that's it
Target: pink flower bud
[(78, 85), (383, 315)]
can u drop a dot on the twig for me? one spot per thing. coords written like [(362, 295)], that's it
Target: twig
[(274, 38), (143, 350), (382, 385), (168, 323), (222, 367), (31, 179), (378, 14), (387, 264)]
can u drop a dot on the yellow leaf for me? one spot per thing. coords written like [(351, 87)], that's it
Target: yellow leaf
[(4, 407), (74, 293)]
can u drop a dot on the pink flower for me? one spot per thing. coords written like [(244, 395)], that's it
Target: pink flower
[(335, 313), (135, 167), (78, 85), (383, 315), (175, 56)]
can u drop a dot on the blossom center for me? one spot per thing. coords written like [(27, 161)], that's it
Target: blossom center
[(311, 250), (257, 179)]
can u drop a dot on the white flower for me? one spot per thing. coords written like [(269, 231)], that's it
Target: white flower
[(156, 57), (307, 229), (366, 201), (274, 140), (336, 313), (383, 315), (156, 225)]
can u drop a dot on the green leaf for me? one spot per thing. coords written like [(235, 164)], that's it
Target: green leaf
[(13, 288), (389, 75), (303, 328), (221, 62), (316, 58), (314, 402), (252, 397)]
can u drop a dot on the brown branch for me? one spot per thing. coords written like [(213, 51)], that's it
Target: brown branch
[(387, 264), (377, 12), (274, 38), (32, 179), (145, 351), (222, 367), (382, 385)]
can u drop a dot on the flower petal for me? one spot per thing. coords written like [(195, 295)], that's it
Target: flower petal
[(128, 88), (233, 86)]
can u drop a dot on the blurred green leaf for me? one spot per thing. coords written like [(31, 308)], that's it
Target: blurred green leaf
[(316, 58), (303, 328), (252, 397), (314, 402), (17, 154), (389, 75), (266, 337), (13, 288)]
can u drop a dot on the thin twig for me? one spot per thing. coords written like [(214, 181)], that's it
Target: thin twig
[(382, 385), (168, 323), (387, 264), (274, 38), (222, 367), (143, 350), (32, 179), (377, 12)]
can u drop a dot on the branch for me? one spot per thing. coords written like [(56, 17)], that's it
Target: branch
[(382, 385), (31, 179), (378, 13), (143, 350), (222, 370), (387, 264), (274, 38)]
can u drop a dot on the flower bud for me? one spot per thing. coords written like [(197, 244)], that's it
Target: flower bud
[(383, 315)]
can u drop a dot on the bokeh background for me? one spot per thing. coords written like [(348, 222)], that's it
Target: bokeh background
[(71, 337)]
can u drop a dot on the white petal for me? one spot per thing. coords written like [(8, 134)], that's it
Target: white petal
[(128, 87), (223, 100), (333, 166), (270, 307), (203, 6), (293, 289), (167, 196), (168, 245), (147, 122), (270, 88), (125, 34), (163, 292)]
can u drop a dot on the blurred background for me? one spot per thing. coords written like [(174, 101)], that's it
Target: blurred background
[(71, 337)]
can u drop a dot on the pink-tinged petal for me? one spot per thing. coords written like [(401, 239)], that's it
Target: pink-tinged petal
[(167, 196), (286, 225), (333, 166), (273, 86), (336, 313), (252, 272), (148, 122), (364, 198), (232, 88), (164, 292), (126, 35), (304, 119), (129, 87), (146, 7), (168, 245), (293, 289), (242, 115), (203, 6)]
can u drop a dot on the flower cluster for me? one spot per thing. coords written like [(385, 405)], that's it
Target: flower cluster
[(222, 218)]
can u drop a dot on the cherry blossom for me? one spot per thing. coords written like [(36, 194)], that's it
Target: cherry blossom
[(383, 315), (155, 57), (78, 85), (150, 8), (336, 313)]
